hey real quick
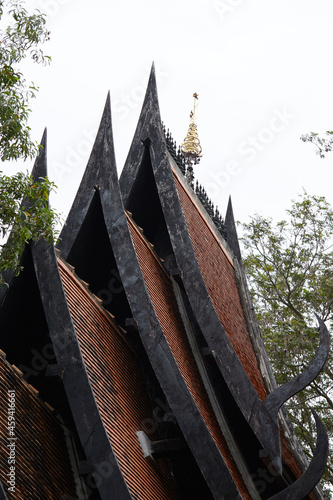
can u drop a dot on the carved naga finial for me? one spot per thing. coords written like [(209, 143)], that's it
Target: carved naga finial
[(273, 402), (310, 478), (275, 399)]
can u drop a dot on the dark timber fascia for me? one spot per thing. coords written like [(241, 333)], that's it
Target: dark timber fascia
[(95, 178), (75, 379), (261, 417), (39, 170), (258, 344), (101, 171), (281, 394), (149, 132), (3, 495), (232, 237), (246, 301), (277, 395), (308, 481)]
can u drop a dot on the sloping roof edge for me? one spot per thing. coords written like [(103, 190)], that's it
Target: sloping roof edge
[(82, 402), (104, 175), (150, 132)]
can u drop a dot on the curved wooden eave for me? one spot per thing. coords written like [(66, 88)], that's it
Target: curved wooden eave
[(246, 301), (149, 133), (182, 405), (310, 478), (232, 237), (149, 136), (104, 175), (88, 421), (193, 427), (189, 419), (281, 394), (97, 177), (149, 118), (262, 357), (75, 379), (39, 170), (3, 495)]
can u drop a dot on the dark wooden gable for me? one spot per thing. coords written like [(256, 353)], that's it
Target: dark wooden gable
[(131, 244)]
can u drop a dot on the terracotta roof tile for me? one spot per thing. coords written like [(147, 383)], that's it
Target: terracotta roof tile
[(164, 302), (218, 273), (43, 468), (118, 386)]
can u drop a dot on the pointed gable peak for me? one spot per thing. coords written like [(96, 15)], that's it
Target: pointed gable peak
[(232, 237), (44, 138), (151, 90), (150, 113), (102, 157), (105, 123), (149, 132), (230, 212), (101, 166), (100, 176), (40, 166)]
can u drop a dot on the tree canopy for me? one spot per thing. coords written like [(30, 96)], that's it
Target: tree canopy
[(25, 215), (290, 271), (22, 37), (24, 210)]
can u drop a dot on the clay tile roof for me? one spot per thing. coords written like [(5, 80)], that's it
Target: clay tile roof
[(43, 468), (115, 376), (161, 292)]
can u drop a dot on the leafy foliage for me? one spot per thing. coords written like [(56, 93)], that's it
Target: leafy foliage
[(290, 271), (323, 145), (25, 215), (24, 210), (20, 39)]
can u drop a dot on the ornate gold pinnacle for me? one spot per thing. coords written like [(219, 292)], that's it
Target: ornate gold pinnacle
[(191, 148)]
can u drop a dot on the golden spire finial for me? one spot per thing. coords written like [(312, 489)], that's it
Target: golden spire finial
[(191, 147)]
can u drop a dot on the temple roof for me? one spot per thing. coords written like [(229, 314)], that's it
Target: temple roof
[(157, 368)]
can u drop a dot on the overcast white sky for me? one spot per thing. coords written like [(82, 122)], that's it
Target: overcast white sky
[(262, 69)]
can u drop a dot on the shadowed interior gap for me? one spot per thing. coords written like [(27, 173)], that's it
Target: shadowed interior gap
[(94, 262), (143, 202)]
